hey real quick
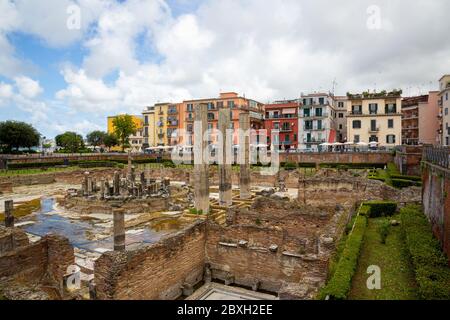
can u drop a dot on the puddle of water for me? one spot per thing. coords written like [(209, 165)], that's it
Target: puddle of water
[(47, 221)]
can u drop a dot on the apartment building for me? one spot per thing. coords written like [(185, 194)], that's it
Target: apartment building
[(149, 130), (341, 107), (230, 100), (316, 123), (375, 117), (444, 106), (420, 123), (136, 140), (281, 118)]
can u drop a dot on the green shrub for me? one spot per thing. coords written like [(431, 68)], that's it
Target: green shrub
[(383, 230), (392, 169), (353, 165), (364, 210), (381, 208), (97, 164), (340, 283), (430, 264), (411, 178), (290, 166), (401, 183)]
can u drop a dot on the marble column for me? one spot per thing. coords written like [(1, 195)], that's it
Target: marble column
[(119, 229), (86, 184), (102, 188), (9, 217), (201, 167), (244, 159), (225, 152)]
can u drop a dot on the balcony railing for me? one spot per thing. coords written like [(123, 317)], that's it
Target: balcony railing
[(437, 155), (374, 130)]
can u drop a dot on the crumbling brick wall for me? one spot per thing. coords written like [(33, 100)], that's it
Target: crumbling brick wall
[(157, 272), (45, 261), (436, 202), (11, 238), (263, 258)]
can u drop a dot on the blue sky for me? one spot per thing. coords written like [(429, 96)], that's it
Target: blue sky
[(127, 55)]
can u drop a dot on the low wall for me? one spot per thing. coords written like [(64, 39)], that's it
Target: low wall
[(45, 261), (408, 159), (157, 272), (310, 157), (436, 201), (11, 239)]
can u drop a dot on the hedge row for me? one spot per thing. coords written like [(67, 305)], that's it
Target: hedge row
[(353, 165), (402, 183), (375, 209), (430, 264), (340, 283), (411, 178)]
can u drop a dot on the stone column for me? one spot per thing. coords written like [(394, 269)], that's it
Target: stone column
[(86, 184), (143, 180), (89, 184), (133, 174), (116, 183), (244, 145), (102, 188), (129, 162), (119, 229), (201, 167), (9, 217), (225, 152)]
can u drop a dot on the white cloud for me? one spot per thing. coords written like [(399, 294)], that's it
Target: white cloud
[(27, 87), (6, 91)]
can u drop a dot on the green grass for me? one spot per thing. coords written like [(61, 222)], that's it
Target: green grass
[(24, 209), (20, 172), (397, 275)]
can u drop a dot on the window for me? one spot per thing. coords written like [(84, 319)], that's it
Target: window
[(390, 123), (319, 112), (230, 104), (308, 125), (373, 125), (146, 120), (220, 104), (446, 96), (190, 107), (391, 108), (210, 116), (356, 124), (373, 108), (276, 125), (340, 127), (321, 101), (340, 104), (295, 137), (390, 139), (356, 138), (373, 138), (319, 124), (341, 115), (210, 105), (446, 111), (446, 141), (306, 113), (356, 109)]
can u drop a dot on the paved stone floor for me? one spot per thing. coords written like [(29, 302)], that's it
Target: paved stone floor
[(215, 291)]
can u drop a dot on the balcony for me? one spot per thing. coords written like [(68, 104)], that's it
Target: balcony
[(160, 124), (356, 113), (190, 119), (374, 130), (172, 111)]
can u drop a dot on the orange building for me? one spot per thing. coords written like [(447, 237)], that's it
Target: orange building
[(231, 100)]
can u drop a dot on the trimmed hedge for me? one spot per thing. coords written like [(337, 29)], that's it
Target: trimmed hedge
[(340, 284), (411, 178), (402, 183), (379, 208), (353, 165), (430, 264)]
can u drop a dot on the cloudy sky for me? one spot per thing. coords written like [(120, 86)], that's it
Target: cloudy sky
[(63, 71)]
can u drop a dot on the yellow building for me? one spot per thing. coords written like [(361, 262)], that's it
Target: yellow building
[(375, 117), (136, 141)]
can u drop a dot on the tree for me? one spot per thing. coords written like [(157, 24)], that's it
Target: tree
[(15, 135), (96, 138), (110, 141), (124, 127), (70, 141)]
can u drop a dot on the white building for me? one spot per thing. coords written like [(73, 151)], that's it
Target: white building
[(316, 123), (444, 104)]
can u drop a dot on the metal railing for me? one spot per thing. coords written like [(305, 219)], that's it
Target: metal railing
[(437, 155)]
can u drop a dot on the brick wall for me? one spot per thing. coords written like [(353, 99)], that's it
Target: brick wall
[(43, 261), (436, 202), (11, 239), (157, 272)]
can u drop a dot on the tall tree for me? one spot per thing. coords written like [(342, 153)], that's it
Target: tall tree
[(15, 135), (124, 127), (70, 141), (96, 138), (111, 141)]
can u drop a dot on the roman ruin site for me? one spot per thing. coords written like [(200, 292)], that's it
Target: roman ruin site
[(196, 233)]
